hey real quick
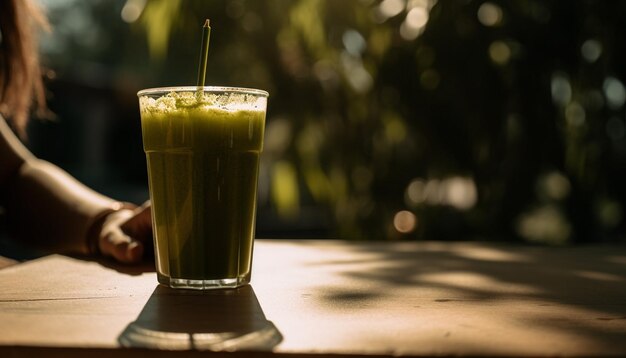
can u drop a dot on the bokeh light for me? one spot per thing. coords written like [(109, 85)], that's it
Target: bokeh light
[(489, 14), (561, 89), (609, 212), (591, 50), (354, 42), (132, 10), (391, 8), (458, 192), (546, 224), (415, 192), (500, 52), (413, 24), (555, 185), (404, 222), (575, 114), (614, 92), (355, 73)]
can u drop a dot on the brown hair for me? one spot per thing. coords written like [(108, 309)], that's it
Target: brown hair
[(21, 84)]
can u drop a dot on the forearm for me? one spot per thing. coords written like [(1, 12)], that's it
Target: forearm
[(48, 208)]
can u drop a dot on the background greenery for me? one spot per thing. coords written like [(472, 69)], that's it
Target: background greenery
[(388, 119)]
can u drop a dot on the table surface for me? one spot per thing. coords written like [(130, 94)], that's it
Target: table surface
[(330, 297)]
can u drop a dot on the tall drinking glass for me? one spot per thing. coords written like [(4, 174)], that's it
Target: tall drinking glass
[(202, 150)]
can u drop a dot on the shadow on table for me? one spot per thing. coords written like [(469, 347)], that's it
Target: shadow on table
[(134, 269), (590, 279), (202, 320)]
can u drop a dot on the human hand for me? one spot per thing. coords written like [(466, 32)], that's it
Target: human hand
[(126, 234)]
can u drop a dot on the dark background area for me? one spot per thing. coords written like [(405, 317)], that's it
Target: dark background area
[(393, 119)]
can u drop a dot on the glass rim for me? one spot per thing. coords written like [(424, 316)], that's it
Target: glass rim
[(212, 89)]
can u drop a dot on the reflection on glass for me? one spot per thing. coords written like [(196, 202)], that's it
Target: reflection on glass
[(217, 320)]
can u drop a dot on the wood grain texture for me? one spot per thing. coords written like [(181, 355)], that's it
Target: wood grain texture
[(334, 298)]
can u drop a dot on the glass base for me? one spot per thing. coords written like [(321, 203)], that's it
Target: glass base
[(203, 284)]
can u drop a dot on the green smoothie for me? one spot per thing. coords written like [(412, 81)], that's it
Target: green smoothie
[(203, 158)]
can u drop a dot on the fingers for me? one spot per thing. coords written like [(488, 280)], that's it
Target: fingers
[(124, 233), (139, 226), (121, 247)]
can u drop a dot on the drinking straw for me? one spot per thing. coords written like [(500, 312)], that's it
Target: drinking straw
[(204, 53)]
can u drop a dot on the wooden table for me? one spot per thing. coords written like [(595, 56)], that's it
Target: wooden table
[(330, 297)]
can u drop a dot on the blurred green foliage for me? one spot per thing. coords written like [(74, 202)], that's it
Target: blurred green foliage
[(397, 119)]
